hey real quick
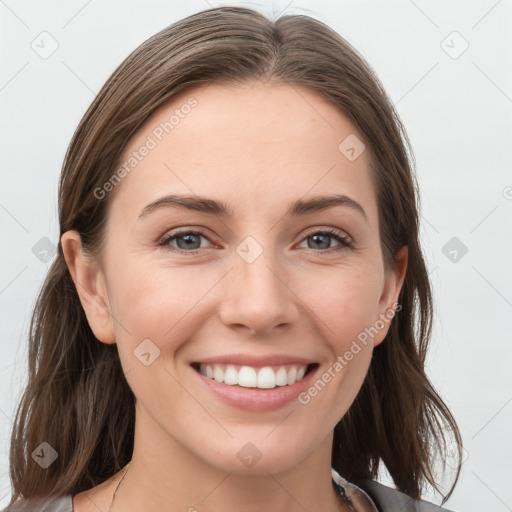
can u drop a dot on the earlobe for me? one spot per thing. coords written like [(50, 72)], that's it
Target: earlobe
[(388, 304), (90, 286)]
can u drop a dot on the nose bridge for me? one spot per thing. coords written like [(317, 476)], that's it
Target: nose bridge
[(258, 296), (258, 278)]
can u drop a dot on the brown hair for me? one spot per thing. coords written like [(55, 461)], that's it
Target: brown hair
[(77, 398)]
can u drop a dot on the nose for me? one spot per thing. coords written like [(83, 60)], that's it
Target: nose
[(257, 297)]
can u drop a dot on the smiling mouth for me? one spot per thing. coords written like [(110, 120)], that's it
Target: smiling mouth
[(267, 377)]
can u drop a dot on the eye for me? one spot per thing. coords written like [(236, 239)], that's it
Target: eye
[(321, 240), (187, 241)]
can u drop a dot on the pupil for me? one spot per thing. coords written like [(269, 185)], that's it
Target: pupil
[(189, 239), (316, 237)]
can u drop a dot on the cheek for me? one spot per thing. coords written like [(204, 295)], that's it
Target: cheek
[(347, 311), (151, 310), (159, 303), (346, 301), (151, 299)]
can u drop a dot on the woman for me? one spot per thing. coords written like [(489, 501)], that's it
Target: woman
[(239, 312)]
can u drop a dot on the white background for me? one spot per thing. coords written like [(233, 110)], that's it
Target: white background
[(458, 114)]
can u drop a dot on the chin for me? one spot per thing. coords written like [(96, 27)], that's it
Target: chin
[(257, 458)]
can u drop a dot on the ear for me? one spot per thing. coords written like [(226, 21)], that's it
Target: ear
[(90, 286), (388, 302)]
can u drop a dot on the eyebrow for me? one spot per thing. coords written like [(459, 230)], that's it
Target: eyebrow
[(214, 207)]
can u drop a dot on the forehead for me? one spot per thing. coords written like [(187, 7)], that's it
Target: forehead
[(250, 145)]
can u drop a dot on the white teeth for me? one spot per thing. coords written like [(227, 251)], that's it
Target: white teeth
[(231, 375), (249, 377), (266, 378), (292, 375), (218, 374), (281, 377)]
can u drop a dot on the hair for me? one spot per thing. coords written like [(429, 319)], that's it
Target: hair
[(77, 398)]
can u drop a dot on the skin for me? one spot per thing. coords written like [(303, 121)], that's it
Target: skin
[(256, 147)]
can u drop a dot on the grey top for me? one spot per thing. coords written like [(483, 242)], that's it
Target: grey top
[(59, 504), (369, 496)]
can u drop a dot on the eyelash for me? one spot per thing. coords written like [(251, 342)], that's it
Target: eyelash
[(345, 242)]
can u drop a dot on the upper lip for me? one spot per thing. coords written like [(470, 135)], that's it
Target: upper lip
[(255, 361)]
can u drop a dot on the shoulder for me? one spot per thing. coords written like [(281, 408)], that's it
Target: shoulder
[(389, 499), (56, 504), (372, 496)]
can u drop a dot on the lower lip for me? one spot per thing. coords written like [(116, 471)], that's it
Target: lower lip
[(256, 399)]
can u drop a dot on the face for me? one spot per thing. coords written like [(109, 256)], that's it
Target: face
[(256, 281)]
